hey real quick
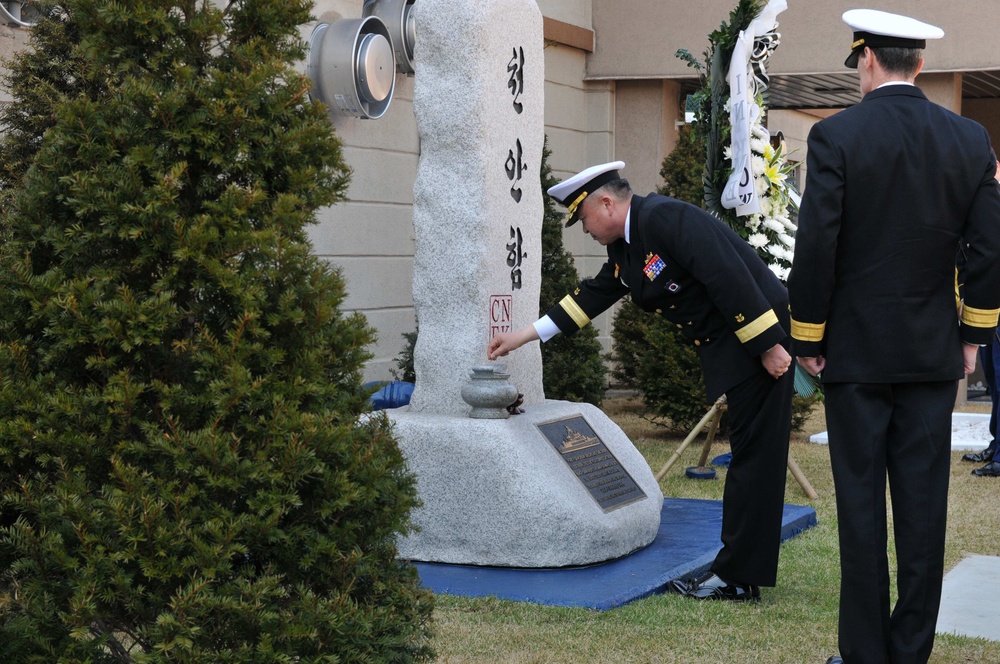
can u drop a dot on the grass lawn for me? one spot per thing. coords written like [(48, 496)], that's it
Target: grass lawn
[(796, 622)]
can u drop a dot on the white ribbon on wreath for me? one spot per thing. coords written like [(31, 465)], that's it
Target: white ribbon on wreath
[(744, 76)]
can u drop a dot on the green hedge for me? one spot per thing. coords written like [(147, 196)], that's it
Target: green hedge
[(186, 474)]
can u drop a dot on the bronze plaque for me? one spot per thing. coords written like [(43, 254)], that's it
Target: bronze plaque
[(592, 462)]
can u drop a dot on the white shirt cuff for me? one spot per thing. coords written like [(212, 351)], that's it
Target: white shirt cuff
[(545, 328)]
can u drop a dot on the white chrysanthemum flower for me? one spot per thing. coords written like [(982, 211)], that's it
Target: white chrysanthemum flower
[(757, 240), (787, 239), (758, 131), (727, 152), (753, 222), (767, 206), (757, 145), (775, 250), (761, 185), (773, 225), (758, 165), (779, 271)]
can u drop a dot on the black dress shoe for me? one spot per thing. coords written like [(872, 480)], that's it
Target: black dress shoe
[(983, 456), (992, 469), (710, 586), (835, 660)]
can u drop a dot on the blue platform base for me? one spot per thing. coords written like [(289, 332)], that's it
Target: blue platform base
[(685, 546)]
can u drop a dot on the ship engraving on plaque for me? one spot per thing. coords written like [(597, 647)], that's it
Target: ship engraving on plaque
[(592, 462)]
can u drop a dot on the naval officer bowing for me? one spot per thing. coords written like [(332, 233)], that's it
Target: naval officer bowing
[(677, 260)]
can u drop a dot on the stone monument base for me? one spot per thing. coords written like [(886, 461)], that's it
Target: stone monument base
[(508, 492)]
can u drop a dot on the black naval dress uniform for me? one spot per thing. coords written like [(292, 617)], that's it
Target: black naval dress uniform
[(689, 267), (893, 184)]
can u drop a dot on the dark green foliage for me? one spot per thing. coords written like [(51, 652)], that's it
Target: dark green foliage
[(684, 167), (37, 86), (404, 361), (185, 471), (802, 408), (572, 366)]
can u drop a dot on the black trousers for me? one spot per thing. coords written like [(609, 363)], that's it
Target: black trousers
[(760, 418), (901, 431)]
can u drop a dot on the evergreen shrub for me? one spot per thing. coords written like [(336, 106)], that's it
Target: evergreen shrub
[(187, 473)]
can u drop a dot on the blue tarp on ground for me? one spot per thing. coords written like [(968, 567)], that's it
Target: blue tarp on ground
[(686, 545)]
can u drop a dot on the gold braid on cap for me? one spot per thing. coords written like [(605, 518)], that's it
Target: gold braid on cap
[(572, 206), (857, 43)]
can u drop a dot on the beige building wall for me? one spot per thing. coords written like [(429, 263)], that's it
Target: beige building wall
[(370, 235), (580, 127), (646, 127), (640, 41), (12, 39)]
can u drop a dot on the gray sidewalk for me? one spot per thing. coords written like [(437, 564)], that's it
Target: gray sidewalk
[(970, 600)]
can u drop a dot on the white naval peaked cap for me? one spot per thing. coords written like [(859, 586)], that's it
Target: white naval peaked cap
[(874, 28), (573, 191)]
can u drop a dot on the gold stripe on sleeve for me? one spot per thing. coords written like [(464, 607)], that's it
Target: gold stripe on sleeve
[(979, 317), (808, 331), (574, 311), (958, 294), (756, 327)]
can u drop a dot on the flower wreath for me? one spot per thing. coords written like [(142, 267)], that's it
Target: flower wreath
[(770, 229)]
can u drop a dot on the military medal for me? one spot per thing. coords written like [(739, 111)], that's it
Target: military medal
[(654, 265)]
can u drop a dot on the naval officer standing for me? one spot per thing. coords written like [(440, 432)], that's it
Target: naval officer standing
[(678, 261), (893, 184)]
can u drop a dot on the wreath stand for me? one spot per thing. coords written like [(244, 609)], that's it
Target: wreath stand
[(715, 415)]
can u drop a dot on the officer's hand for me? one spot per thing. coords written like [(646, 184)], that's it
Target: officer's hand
[(501, 344), (504, 342), (776, 361), (813, 365), (969, 353)]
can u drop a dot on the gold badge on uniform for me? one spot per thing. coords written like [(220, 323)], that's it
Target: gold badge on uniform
[(576, 292), (739, 318), (617, 269)]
